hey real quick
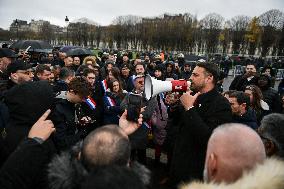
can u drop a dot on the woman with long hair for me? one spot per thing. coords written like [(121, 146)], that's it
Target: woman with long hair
[(112, 99), (257, 103)]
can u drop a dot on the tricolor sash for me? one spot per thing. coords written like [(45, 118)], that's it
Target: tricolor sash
[(110, 101), (104, 85), (91, 103)]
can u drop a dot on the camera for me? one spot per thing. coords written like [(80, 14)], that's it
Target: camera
[(134, 107)]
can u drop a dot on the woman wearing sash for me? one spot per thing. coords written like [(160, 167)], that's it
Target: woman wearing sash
[(112, 100)]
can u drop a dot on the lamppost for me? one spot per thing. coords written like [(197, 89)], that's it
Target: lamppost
[(17, 25), (67, 21)]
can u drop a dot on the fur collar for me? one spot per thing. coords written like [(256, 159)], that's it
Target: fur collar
[(66, 171), (270, 174)]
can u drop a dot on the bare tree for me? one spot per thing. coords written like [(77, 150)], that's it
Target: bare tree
[(270, 22), (46, 32), (239, 25), (212, 24)]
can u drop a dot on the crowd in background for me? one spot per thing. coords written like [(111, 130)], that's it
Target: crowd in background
[(86, 92)]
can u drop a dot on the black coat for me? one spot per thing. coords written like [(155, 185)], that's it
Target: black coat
[(67, 132), (249, 119), (26, 103), (197, 124), (26, 166), (138, 139), (67, 172), (240, 82)]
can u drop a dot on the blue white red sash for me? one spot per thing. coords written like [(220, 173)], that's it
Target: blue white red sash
[(146, 125), (110, 101), (133, 78), (91, 103), (104, 85)]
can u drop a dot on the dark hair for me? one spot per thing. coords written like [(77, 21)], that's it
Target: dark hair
[(41, 68), (110, 85), (80, 86), (251, 63), (229, 92), (241, 98), (272, 128), (257, 96), (86, 71), (106, 145), (115, 72), (272, 73), (212, 69), (65, 73), (139, 63)]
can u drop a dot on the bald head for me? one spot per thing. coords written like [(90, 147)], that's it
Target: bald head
[(104, 146), (232, 148)]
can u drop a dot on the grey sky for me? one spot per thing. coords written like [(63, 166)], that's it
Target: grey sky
[(105, 11)]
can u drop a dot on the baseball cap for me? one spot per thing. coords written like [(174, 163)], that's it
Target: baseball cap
[(17, 65)]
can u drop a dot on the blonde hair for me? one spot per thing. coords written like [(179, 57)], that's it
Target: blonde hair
[(90, 58)]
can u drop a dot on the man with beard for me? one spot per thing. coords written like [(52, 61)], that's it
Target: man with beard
[(19, 72), (203, 112), (249, 78)]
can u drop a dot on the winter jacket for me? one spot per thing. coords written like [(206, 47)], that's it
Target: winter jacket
[(112, 109), (240, 82), (159, 121), (249, 119), (26, 166), (211, 109), (26, 103), (270, 96), (270, 174), (67, 172), (138, 139), (68, 133)]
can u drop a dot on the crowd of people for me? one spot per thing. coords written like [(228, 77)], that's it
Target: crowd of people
[(84, 122)]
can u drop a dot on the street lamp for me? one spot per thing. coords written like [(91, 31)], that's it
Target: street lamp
[(67, 21), (17, 25)]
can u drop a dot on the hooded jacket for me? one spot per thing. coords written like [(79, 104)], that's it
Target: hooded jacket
[(67, 172), (270, 174), (270, 95)]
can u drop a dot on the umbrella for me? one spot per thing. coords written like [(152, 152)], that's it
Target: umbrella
[(79, 52), (35, 45), (67, 48)]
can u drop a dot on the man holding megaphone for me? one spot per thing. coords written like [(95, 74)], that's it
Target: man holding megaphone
[(204, 110)]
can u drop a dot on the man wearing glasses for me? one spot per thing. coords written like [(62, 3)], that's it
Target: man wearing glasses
[(139, 138), (19, 72)]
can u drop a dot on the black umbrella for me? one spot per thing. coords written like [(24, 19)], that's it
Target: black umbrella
[(79, 52), (36, 45)]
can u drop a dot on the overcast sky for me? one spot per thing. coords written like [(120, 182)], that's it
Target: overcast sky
[(105, 11)]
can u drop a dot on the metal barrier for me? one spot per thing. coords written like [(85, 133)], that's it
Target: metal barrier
[(280, 74), (239, 70)]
